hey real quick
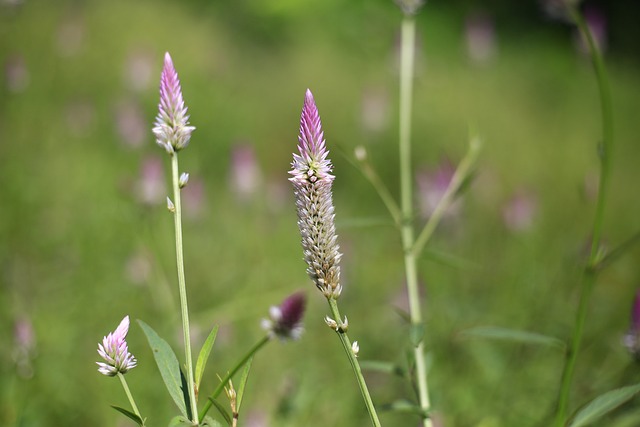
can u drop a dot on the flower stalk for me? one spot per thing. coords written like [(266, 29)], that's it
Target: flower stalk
[(173, 133)]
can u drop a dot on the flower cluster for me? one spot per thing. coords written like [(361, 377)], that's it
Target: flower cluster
[(115, 352), (632, 338), (285, 321), (312, 180), (171, 128)]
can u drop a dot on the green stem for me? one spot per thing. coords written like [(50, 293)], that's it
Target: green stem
[(459, 177), (231, 373), (406, 203), (384, 193), (346, 344), (589, 277), (182, 285), (129, 396)]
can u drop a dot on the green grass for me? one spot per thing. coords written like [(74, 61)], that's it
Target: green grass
[(69, 222)]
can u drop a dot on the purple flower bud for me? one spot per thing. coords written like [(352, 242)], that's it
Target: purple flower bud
[(632, 339), (171, 125), (312, 182), (115, 352), (285, 321)]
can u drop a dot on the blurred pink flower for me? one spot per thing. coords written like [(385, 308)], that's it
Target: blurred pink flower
[(194, 199), (150, 189), (375, 110), (70, 36), (597, 23), (130, 123), (138, 267), (138, 69), (16, 73), (245, 176), (632, 338), (115, 352), (480, 38), (432, 184), (519, 213), (24, 349), (285, 321)]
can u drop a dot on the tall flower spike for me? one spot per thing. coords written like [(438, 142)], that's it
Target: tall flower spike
[(171, 128), (115, 352), (312, 180)]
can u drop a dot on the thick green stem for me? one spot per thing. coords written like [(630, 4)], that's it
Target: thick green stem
[(346, 344), (406, 203), (125, 386), (177, 215), (589, 277), (224, 381)]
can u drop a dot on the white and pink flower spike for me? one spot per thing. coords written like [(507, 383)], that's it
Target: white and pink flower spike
[(115, 352)]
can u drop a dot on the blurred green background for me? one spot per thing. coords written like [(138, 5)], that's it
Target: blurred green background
[(86, 238)]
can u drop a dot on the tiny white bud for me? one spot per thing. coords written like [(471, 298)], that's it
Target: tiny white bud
[(355, 348), (345, 324), (360, 152), (170, 205), (184, 179), (331, 323)]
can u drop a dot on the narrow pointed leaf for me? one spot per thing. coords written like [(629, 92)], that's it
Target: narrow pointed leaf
[(222, 410), (514, 335), (243, 383), (204, 355), (603, 404), (129, 415), (168, 365), (381, 366)]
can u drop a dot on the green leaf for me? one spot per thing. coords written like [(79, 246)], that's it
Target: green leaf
[(169, 367), (222, 410), (243, 383), (505, 334), (210, 422), (416, 334), (603, 404), (381, 366), (405, 406), (204, 355), (129, 414), (180, 421)]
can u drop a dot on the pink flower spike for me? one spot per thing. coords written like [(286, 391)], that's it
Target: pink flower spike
[(171, 128), (115, 352)]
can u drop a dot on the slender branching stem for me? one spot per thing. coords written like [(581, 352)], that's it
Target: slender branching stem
[(177, 215), (224, 381), (589, 276), (459, 177), (370, 173), (353, 360), (406, 203), (125, 386)]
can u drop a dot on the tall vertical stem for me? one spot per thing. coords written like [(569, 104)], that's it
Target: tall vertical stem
[(182, 284), (589, 278), (406, 202)]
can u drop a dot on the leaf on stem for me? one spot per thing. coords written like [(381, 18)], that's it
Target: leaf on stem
[(180, 421), (243, 383), (603, 404), (204, 355), (129, 415), (169, 367), (514, 335), (383, 367), (223, 411), (416, 334)]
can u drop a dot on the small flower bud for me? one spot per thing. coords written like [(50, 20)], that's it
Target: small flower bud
[(361, 153), (345, 325), (184, 179), (285, 321), (170, 205), (355, 348), (331, 323)]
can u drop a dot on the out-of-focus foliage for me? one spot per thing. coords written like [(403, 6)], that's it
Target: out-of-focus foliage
[(85, 237)]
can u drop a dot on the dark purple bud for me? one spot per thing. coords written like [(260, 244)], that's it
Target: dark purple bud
[(285, 321)]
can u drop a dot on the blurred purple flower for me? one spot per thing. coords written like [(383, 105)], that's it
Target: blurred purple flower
[(24, 349), (150, 188), (519, 212), (480, 38), (597, 23), (432, 184), (115, 352), (632, 338), (245, 176), (312, 181), (130, 123), (16, 73), (375, 110), (285, 321), (171, 128), (193, 197)]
